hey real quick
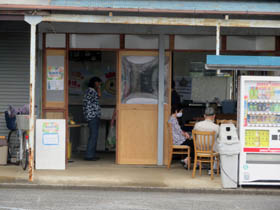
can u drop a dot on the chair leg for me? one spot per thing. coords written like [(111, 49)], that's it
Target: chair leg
[(194, 168), (200, 167), (212, 174), (218, 165), (170, 159), (189, 159)]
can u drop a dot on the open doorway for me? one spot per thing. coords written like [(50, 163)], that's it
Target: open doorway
[(83, 65)]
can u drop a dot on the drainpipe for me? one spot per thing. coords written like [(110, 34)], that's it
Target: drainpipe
[(218, 44), (161, 74), (33, 21)]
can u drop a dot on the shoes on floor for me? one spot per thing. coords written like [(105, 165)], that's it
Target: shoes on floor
[(182, 162), (214, 171), (92, 159)]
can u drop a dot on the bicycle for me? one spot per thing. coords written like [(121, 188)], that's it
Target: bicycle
[(25, 150), (18, 139)]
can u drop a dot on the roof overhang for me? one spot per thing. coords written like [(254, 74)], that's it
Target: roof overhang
[(161, 21), (251, 63), (176, 6)]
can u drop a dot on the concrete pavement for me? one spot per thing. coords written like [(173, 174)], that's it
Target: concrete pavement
[(105, 173)]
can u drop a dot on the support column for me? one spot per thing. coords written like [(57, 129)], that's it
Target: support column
[(33, 21), (218, 44), (161, 74)]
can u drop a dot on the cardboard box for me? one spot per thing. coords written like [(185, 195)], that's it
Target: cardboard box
[(3, 151)]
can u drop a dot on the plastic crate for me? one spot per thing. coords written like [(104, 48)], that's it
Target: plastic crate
[(23, 122)]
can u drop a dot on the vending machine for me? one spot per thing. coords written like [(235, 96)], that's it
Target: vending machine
[(259, 130)]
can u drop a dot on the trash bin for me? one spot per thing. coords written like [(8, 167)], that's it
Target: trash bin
[(3, 150), (229, 149)]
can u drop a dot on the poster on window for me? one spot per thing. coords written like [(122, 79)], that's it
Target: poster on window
[(79, 79), (55, 78)]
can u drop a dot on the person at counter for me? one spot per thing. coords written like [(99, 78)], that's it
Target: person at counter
[(180, 137), (92, 113)]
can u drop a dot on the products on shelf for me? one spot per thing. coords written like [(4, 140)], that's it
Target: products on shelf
[(271, 120), (264, 107), (265, 91), (263, 104)]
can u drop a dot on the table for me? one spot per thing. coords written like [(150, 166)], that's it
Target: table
[(190, 124), (77, 125)]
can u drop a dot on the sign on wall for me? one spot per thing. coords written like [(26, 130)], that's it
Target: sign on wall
[(55, 78), (50, 144)]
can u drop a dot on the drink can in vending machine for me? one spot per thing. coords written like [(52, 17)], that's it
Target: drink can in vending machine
[(259, 107), (278, 119), (255, 107), (249, 107), (251, 93), (266, 107), (271, 107), (277, 106), (272, 119)]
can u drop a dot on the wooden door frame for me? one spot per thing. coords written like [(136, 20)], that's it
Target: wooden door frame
[(53, 108)]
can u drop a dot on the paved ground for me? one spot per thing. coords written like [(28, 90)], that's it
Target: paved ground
[(106, 173), (102, 174), (21, 199)]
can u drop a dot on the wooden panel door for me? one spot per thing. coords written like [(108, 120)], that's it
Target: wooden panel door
[(137, 108), (55, 86)]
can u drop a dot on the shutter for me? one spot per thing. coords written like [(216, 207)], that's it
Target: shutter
[(14, 72)]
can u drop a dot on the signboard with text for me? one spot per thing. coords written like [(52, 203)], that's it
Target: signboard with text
[(50, 144)]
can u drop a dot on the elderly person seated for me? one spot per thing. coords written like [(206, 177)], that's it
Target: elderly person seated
[(208, 125), (180, 137)]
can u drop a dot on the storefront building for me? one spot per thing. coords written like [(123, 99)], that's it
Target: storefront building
[(79, 40)]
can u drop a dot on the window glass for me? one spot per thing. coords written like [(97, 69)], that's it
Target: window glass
[(139, 82)]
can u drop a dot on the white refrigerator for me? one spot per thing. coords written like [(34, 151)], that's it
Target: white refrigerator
[(259, 130)]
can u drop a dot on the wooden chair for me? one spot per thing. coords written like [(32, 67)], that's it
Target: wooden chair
[(203, 147), (177, 149)]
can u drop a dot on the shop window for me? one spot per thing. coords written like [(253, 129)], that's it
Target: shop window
[(55, 40), (140, 79), (96, 41), (55, 78), (83, 65), (186, 42), (144, 42), (250, 43)]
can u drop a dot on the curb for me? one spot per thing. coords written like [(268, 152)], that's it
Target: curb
[(252, 191)]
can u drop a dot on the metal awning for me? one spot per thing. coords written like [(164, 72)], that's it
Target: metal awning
[(245, 7), (233, 62)]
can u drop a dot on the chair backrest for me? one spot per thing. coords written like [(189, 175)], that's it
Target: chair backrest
[(203, 141)]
